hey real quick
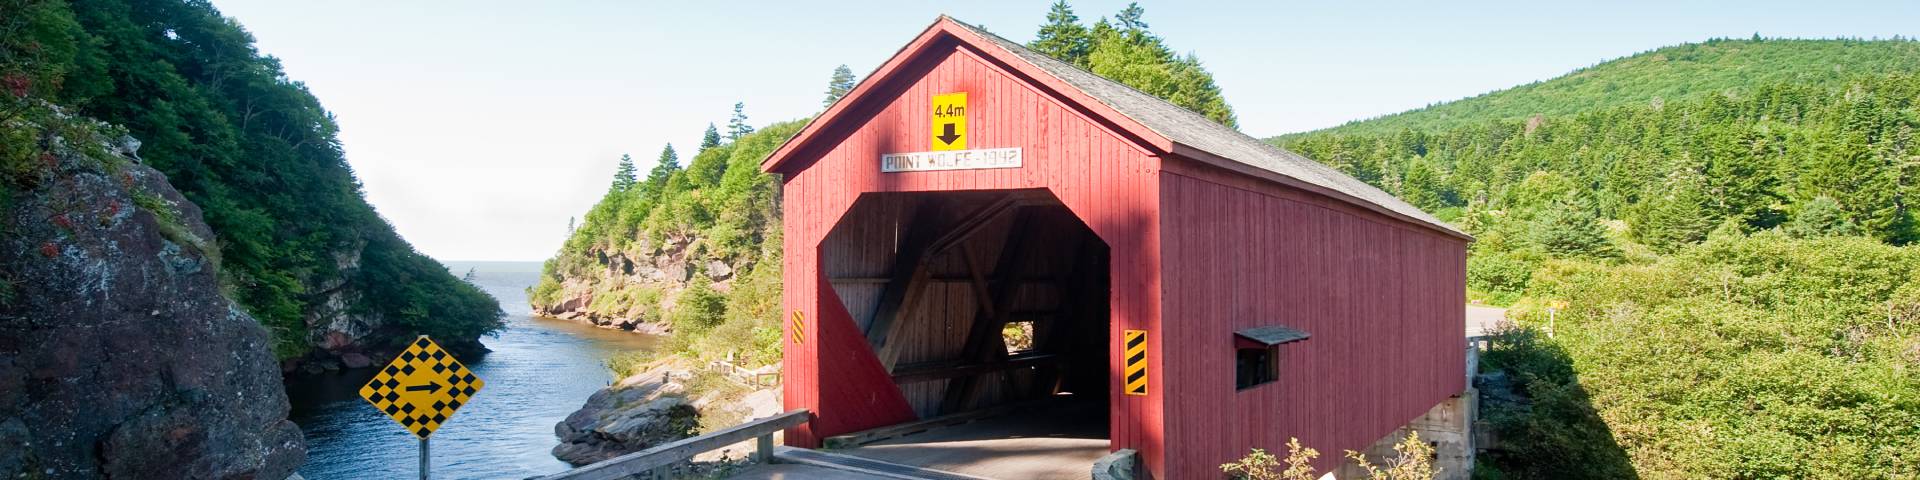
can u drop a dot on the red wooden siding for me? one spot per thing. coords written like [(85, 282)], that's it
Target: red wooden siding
[(1381, 299), (1110, 183)]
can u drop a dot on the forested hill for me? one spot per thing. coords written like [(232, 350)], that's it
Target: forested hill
[(1669, 73), (1724, 231), (299, 247)]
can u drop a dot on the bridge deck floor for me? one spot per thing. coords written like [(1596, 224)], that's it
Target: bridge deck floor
[(790, 471), (1041, 444)]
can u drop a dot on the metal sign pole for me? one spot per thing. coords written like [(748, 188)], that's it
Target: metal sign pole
[(423, 458)]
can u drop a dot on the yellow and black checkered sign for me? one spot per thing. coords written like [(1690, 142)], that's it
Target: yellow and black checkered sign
[(799, 327), (1136, 341), (422, 387)]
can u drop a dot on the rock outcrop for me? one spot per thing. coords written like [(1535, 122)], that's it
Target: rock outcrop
[(663, 269), (655, 407), (638, 412), (119, 355)]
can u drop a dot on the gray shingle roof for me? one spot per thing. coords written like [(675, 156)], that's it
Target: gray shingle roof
[(1271, 335), (1185, 127)]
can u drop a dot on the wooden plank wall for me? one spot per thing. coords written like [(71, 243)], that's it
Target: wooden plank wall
[(1107, 180), (1381, 298)]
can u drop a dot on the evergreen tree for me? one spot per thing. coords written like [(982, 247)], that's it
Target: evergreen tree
[(841, 83), (711, 139), (1677, 218), (657, 178), (1062, 37), (1129, 18), (1570, 230), (1820, 217), (1131, 55), (623, 178), (253, 149), (1423, 187), (737, 125)]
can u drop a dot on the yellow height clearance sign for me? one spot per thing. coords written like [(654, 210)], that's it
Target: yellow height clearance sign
[(950, 121), (421, 388)]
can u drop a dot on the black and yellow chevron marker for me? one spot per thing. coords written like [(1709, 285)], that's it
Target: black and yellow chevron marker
[(799, 327), (1136, 342), (421, 388)]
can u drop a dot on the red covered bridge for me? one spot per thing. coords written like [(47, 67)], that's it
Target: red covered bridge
[(978, 226)]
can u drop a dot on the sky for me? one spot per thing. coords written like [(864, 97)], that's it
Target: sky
[(480, 128)]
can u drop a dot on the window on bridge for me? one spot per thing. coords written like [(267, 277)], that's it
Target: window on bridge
[(1254, 366)]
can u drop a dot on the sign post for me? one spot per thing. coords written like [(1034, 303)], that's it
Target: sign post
[(420, 390), (423, 459)]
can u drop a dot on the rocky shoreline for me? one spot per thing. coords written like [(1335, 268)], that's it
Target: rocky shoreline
[(668, 401), (631, 324)]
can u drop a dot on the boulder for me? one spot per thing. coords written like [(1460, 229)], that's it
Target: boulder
[(356, 360), (719, 270), (639, 412)]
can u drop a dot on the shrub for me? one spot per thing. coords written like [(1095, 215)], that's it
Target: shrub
[(1743, 357)]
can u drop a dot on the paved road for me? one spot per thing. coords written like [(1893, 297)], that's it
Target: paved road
[(1481, 319)]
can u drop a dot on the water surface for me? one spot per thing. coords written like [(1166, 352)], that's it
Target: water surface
[(539, 371)]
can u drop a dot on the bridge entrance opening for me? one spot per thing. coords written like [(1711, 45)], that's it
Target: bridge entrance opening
[(990, 309)]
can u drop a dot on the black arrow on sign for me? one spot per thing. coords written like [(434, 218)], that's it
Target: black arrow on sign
[(949, 136), (430, 387)]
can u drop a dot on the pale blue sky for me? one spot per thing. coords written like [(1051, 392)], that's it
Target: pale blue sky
[(479, 128)]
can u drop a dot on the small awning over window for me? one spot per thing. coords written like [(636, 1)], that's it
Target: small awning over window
[(1268, 335)]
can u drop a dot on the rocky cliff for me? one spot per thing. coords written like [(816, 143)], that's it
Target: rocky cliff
[(632, 289), (301, 249), (119, 355)]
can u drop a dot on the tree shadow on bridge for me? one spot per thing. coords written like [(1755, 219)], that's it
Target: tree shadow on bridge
[(1543, 421)]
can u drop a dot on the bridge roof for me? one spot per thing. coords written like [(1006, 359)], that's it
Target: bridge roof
[(1161, 125)]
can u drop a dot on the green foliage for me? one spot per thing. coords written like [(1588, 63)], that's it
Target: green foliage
[(1570, 230), (719, 207), (631, 362), (1820, 217), (1690, 349), (251, 147), (1063, 37), (1676, 171), (1663, 75), (699, 308), (1742, 357), (1412, 460), (1260, 465), (838, 86), (1129, 54)]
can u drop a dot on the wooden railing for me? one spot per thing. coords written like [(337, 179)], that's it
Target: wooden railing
[(659, 459)]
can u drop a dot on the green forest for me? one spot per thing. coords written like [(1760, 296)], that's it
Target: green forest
[(1724, 228), (252, 148)]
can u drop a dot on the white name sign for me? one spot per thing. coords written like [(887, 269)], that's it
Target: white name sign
[(951, 160)]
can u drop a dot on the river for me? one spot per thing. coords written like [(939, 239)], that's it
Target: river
[(539, 371)]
